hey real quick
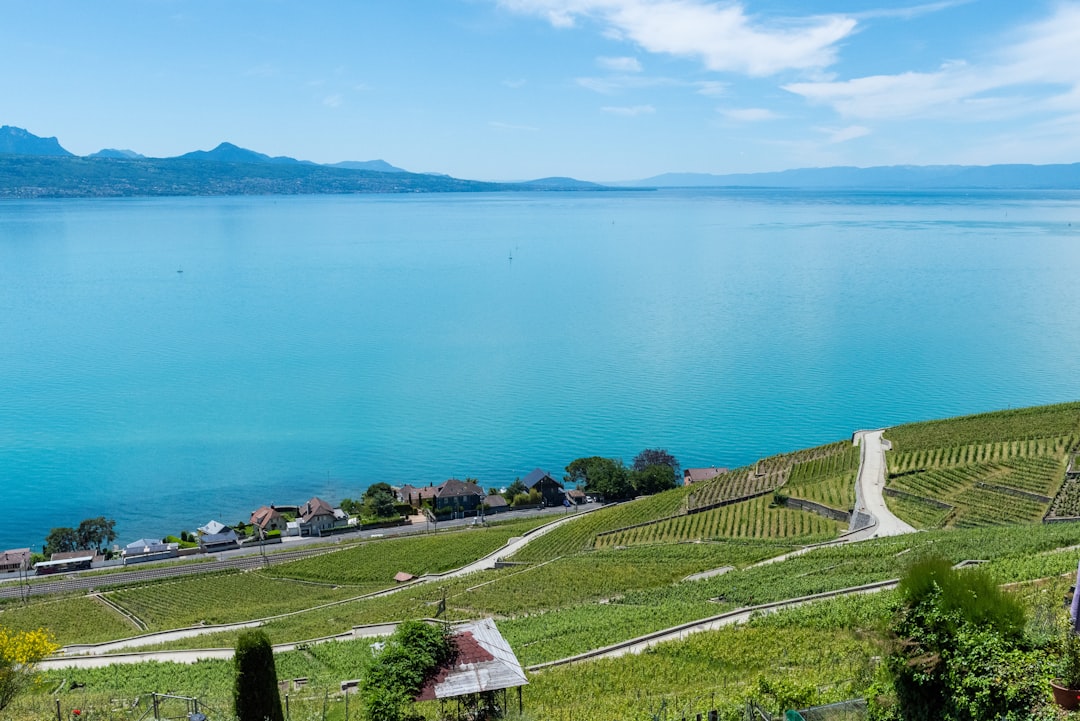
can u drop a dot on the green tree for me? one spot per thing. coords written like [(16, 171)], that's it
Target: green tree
[(255, 693), (96, 533), (376, 488), (515, 489), (655, 457), (958, 650), (653, 479), (411, 654), (380, 505), (61, 540), (605, 476)]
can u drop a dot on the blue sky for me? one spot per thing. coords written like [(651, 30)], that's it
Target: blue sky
[(515, 89)]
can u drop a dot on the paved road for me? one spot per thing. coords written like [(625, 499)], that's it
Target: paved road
[(870, 490)]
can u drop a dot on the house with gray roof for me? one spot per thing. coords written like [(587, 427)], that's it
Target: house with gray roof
[(550, 489)]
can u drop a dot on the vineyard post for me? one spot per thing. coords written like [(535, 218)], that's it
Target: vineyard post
[(58, 717), (287, 718)]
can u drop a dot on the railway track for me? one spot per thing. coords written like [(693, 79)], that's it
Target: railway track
[(75, 582)]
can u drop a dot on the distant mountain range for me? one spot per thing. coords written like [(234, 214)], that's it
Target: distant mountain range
[(32, 166), (892, 177)]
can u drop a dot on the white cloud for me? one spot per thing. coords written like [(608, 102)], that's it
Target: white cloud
[(748, 115), (842, 135), (332, 101), (630, 111), (910, 12), (711, 87), (721, 35), (515, 84), (1038, 72), (620, 65), (616, 83)]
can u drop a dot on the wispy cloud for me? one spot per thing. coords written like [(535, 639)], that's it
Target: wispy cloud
[(630, 111), (842, 135), (515, 84), (721, 35), (616, 83), (620, 65), (1037, 72), (748, 115), (908, 13), (332, 101), (711, 87)]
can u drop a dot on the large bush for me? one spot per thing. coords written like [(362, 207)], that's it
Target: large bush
[(958, 651)]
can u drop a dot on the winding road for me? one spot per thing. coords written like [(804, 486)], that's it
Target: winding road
[(870, 490)]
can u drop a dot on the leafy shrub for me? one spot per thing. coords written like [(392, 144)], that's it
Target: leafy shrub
[(958, 651)]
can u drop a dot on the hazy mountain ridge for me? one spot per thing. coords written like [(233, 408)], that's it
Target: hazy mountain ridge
[(33, 167), (898, 177)]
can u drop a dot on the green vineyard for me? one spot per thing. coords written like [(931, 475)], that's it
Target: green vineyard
[(771, 473), (756, 518), (829, 480), (973, 465)]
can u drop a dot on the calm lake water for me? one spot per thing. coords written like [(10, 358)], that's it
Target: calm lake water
[(316, 345)]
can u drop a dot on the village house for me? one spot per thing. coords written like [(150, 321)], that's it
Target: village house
[(416, 495), (146, 549), (317, 517), (17, 559), (550, 490), (216, 536), (697, 475), (268, 519), (462, 495)]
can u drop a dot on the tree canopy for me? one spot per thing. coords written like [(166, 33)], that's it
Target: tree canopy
[(399, 671), (61, 540), (96, 532), (653, 479), (605, 476), (655, 457)]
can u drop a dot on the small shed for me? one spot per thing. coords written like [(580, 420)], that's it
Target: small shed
[(481, 674), (403, 577)]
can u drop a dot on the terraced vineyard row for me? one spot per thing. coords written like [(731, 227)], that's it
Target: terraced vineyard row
[(769, 474), (78, 619), (1067, 502), (756, 518), (222, 598), (1020, 424), (998, 451), (829, 480), (979, 491), (580, 535), (987, 507)]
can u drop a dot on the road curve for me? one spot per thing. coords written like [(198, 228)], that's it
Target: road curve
[(870, 490)]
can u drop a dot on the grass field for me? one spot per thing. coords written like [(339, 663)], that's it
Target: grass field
[(79, 619)]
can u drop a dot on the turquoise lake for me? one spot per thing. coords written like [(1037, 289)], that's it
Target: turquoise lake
[(316, 345)]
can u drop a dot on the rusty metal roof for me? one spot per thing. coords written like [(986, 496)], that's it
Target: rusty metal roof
[(485, 662)]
